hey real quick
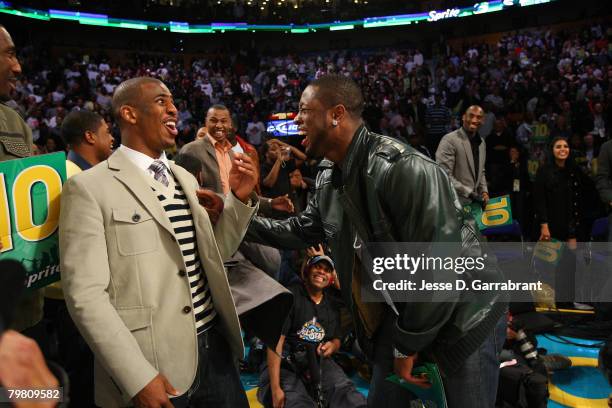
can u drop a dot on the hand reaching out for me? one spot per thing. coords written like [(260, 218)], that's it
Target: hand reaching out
[(243, 176), (315, 251), (212, 203), (282, 203)]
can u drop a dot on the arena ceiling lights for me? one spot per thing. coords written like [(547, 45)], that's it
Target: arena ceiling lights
[(103, 20)]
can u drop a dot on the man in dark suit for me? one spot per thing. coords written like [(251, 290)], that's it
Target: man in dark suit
[(261, 301), (214, 149)]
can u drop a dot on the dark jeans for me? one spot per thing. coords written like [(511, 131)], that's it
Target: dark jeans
[(217, 382), (288, 273), (565, 278), (473, 385), (338, 390)]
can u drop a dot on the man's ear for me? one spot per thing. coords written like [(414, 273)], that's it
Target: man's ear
[(128, 114), (90, 137), (339, 113)]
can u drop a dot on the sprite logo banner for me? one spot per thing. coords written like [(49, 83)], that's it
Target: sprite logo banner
[(30, 191), (497, 213)]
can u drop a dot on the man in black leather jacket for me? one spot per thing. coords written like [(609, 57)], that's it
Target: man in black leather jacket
[(373, 188)]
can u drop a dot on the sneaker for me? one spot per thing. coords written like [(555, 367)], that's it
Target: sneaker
[(582, 306)]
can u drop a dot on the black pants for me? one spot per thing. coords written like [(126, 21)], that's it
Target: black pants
[(217, 382), (70, 351), (338, 389)]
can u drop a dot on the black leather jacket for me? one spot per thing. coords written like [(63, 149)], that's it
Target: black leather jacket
[(385, 191)]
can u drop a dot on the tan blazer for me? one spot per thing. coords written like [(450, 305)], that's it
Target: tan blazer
[(121, 270)]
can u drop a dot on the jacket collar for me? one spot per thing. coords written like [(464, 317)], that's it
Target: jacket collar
[(78, 160), (134, 179), (355, 153)]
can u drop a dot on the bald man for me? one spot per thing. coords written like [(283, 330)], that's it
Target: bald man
[(462, 153), (142, 265)]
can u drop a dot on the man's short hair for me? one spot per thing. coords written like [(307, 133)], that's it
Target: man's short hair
[(76, 123), (334, 89), (129, 93), (188, 162), (473, 107), (217, 106)]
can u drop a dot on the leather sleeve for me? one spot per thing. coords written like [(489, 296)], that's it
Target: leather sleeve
[(427, 211), (297, 232)]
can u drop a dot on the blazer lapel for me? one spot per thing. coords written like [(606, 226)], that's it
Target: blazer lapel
[(213, 165), (468, 152), (131, 176)]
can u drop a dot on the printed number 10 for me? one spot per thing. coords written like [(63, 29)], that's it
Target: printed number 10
[(496, 213), (23, 208)]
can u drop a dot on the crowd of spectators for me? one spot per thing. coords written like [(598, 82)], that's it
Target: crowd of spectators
[(534, 85)]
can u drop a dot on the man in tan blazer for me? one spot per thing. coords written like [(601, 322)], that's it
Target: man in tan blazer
[(142, 265)]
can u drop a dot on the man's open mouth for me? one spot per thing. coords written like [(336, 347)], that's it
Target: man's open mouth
[(171, 126)]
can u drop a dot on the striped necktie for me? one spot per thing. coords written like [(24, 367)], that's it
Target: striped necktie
[(159, 172)]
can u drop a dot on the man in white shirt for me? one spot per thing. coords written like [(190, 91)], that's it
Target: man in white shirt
[(142, 266)]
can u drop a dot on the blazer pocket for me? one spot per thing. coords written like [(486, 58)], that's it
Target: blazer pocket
[(139, 321), (14, 144), (135, 231)]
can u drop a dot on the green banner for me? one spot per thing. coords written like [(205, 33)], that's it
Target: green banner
[(29, 215), (548, 251), (540, 133), (432, 397), (497, 213)]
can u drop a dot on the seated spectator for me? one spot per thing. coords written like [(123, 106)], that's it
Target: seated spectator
[(299, 191), (279, 162), (255, 131), (282, 384)]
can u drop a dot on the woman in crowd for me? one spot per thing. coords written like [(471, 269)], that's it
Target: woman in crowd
[(557, 193)]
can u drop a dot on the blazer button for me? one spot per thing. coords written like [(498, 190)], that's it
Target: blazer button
[(187, 309), (136, 217), (182, 273)]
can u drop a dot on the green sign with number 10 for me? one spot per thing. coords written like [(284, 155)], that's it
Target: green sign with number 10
[(497, 213), (29, 215)]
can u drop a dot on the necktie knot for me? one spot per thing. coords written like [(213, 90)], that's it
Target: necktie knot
[(159, 172)]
